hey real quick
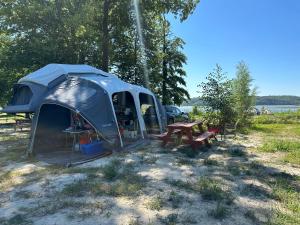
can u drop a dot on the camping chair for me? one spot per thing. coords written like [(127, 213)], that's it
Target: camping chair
[(230, 129)]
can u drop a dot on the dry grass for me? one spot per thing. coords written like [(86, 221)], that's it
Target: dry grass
[(155, 186)]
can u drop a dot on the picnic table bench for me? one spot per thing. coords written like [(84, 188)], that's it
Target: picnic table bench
[(185, 132)]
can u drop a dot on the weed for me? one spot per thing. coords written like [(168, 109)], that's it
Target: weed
[(183, 161), (76, 189), (236, 152), (24, 194), (210, 162), (155, 203), (234, 170), (254, 190), (111, 170), (189, 152), (220, 212), (211, 190), (150, 159), (189, 219), (134, 221), (175, 199), (19, 219), (171, 219), (187, 185), (250, 215)]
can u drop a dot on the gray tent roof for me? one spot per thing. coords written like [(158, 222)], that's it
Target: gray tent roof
[(51, 72)]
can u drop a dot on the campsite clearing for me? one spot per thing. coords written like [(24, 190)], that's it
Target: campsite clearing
[(233, 182)]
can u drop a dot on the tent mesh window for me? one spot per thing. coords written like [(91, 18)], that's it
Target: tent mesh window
[(127, 117), (22, 95), (52, 144), (148, 110)]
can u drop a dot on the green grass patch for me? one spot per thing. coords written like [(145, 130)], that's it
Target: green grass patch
[(286, 191), (279, 118), (290, 148), (292, 157), (280, 146), (126, 183)]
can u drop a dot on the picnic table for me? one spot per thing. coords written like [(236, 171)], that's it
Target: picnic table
[(184, 131)]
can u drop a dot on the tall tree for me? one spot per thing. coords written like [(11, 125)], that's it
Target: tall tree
[(101, 33), (173, 83), (217, 96), (244, 94)]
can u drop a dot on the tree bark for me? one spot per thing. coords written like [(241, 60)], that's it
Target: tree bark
[(105, 36)]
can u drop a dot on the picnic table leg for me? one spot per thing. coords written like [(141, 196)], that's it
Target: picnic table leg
[(179, 138), (167, 138), (189, 134)]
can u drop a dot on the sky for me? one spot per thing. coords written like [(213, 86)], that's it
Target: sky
[(263, 33)]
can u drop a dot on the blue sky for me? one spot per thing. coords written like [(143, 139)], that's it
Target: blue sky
[(263, 33)]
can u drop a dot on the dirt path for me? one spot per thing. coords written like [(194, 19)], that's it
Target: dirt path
[(226, 184)]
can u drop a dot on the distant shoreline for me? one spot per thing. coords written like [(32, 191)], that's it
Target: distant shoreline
[(260, 101), (272, 108)]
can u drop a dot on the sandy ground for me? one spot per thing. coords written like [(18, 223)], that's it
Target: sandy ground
[(32, 192)]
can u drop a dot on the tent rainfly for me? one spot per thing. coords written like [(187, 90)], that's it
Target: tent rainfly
[(99, 105)]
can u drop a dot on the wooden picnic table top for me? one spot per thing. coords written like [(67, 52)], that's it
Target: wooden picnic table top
[(184, 124)]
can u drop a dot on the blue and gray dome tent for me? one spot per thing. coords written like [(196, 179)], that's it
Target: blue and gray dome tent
[(55, 91)]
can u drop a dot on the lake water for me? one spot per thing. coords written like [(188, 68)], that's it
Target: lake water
[(272, 108)]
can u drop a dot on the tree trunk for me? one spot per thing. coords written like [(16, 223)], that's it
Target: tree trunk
[(105, 36), (164, 68)]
